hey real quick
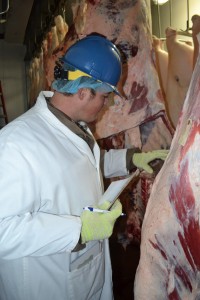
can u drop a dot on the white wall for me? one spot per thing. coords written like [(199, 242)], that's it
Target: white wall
[(181, 11), (13, 78)]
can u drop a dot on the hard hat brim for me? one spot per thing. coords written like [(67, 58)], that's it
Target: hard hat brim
[(114, 89)]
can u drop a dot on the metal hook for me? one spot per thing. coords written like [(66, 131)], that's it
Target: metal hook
[(186, 32), (188, 15)]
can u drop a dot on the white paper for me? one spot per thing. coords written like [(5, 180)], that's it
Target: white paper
[(116, 187)]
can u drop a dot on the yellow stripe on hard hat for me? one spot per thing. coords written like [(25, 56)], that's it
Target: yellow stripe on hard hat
[(73, 75)]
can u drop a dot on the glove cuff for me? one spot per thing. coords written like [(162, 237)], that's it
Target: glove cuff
[(129, 161)]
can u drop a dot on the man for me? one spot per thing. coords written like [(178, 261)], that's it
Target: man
[(50, 170)]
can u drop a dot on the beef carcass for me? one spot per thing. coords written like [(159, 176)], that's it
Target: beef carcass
[(195, 31), (42, 77), (30, 85), (53, 44), (70, 38), (161, 60), (45, 61), (180, 69), (138, 119), (170, 262), (80, 18), (128, 26), (61, 28), (34, 76)]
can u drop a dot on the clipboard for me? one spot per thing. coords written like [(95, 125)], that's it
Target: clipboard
[(116, 187)]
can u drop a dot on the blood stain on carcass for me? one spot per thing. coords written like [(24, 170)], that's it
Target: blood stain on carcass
[(190, 140), (174, 296), (139, 94), (93, 2), (115, 141), (159, 247), (134, 51), (184, 208)]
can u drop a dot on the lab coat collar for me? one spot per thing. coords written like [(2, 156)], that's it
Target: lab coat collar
[(42, 109)]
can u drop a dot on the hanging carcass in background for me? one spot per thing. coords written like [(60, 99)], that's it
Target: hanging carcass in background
[(138, 119), (59, 34), (195, 30), (70, 34), (41, 68), (161, 58), (61, 28), (35, 79), (180, 68), (170, 262), (175, 66)]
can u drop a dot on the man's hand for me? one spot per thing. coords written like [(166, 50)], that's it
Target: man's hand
[(99, 226), (142, 160)]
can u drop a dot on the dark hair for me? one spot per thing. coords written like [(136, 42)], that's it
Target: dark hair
[(68, 94), (93, 92)]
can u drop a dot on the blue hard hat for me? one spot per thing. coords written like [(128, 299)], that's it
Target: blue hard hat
[(96, 56)]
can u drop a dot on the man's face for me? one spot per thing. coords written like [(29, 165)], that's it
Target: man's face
[(91, 105)]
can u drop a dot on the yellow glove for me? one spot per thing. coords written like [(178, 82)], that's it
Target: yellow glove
[(142, 160), (99, 226)]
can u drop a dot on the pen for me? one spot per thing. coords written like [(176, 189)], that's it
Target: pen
[(98, 210)]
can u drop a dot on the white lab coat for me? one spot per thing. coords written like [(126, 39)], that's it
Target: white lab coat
[(47, 175)]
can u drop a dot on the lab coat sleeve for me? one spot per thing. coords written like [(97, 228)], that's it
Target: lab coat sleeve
[(25, 229), (115, 163)]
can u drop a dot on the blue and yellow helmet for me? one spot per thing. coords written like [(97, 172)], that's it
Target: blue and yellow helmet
[(94, 56)]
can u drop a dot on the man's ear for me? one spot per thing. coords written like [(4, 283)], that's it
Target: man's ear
[(82, 93)]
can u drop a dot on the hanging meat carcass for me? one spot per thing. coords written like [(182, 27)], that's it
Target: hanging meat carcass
[(170, 262), (69, 37), (34, 76), (61, 28), (195, 31), (138, 119), (161, 60), (180, 68), (127, 24)]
